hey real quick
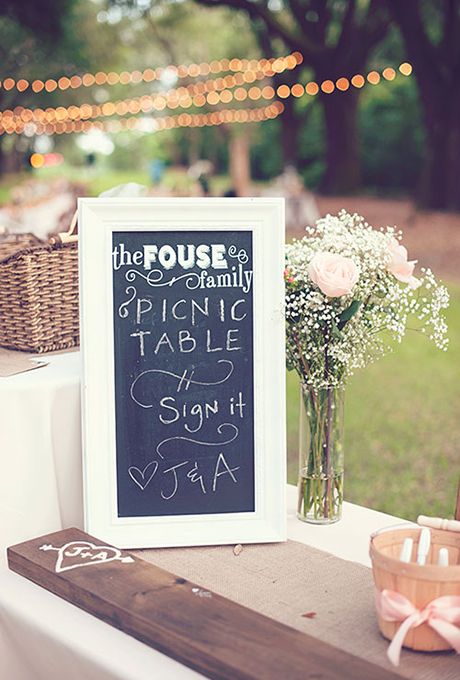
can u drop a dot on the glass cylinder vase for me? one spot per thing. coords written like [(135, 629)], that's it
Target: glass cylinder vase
[(320, 486)]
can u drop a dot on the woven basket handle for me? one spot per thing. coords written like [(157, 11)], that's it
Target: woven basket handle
[(70, 236)]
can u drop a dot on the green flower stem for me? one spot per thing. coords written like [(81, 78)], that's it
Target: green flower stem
[(320, 478)]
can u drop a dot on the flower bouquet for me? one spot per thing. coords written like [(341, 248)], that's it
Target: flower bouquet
[(350, 293)]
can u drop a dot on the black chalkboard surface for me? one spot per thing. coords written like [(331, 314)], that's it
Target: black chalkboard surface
[(183, 367)]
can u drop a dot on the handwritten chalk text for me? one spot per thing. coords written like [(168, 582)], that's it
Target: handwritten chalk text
[(185, 256)]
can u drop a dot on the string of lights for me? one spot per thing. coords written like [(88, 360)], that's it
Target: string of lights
[(276, 64), (225, 90), (197, 94), (155, 124), (50, 121)]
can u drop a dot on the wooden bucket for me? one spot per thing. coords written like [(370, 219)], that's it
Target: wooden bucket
[(420, 584)]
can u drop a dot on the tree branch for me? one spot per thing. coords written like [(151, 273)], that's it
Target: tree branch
[(263, 38), (298, 10), (374, 27), (347, 26), (294, 39), (320, 7), (159, 35), (421, 50), (433, 74)]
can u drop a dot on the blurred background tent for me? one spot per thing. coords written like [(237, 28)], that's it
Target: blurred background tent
[(180, 95)]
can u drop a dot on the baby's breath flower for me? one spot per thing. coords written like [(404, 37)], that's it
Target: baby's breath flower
[(328, 338)]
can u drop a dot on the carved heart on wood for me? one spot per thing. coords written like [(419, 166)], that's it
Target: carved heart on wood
[(84, 554)]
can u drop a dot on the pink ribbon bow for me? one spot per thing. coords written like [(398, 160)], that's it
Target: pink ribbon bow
[(442, 614)]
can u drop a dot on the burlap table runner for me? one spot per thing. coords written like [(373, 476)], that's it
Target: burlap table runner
[(285, 581)]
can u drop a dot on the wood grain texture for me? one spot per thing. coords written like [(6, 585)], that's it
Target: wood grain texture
[(202, 630)]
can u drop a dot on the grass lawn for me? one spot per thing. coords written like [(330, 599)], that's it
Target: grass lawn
[(402, 427), (98, 179)]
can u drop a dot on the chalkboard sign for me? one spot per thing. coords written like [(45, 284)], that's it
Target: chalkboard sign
[(182, 335)]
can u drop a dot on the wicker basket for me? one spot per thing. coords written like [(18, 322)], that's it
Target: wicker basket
[(39, 295), (11, 243)]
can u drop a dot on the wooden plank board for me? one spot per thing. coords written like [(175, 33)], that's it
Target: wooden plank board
[(205, 631)]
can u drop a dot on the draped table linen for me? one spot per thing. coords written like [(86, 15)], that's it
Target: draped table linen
[(41, 636)]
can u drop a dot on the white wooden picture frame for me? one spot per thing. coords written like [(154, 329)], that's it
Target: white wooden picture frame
[(115, 485)]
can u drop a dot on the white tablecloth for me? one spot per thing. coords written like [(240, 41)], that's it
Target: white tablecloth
[(40, 450), (41, 636)]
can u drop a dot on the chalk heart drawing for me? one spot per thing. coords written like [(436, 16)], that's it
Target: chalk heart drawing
[(78, 554), (143, 477)]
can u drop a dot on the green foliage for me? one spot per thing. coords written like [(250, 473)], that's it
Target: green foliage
[(133, 150), (392, 137), (392, 140), (312, 147), (180, 32), (266, 156), (213, 146), (348, 313), (78, 43)]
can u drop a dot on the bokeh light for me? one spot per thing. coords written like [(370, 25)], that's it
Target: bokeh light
[(405, 68)]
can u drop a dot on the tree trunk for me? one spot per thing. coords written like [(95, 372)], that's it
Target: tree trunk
[(240, 171), (290, 128), (193, 149), (11, 160), (343, 172), (220, 140), (436, 67), (290, 120), (440, 185)]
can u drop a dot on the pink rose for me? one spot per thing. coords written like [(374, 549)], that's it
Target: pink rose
[(401, 268), (334, 274), (288, 276)]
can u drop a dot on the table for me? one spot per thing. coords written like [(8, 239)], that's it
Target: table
[(40, 450), (41, 636), (45, 638)]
